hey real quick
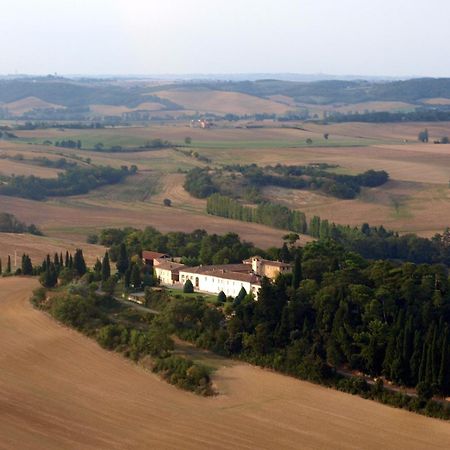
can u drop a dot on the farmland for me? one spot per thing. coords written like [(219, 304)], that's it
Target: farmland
[(48, 401), (416, 198)]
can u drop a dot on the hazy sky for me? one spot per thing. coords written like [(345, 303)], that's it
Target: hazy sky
[(368, 37)]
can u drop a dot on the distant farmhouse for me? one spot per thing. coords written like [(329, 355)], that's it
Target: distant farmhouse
[(212, 279)]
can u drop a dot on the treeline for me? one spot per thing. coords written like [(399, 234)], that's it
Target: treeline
[(270, 214), (60, 163), (10, 224), (370, 242), (75, 181), (419, 115), (339, 313), (196, 248)]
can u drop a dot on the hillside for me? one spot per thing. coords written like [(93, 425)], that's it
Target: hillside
[(80, 98), (61, 390)]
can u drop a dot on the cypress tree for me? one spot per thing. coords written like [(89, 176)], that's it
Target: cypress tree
[(1, 269), (97, 269), (78, 262), (123, 262), (443, 377), (285, 255), (67, 260), (135, 276), (106, 268), (297, 273), (27, 266), (8, 265)]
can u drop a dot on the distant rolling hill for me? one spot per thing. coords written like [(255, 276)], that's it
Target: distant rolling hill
[(116, 97)]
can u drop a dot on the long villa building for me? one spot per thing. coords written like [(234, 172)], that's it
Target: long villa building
[(228, 278)]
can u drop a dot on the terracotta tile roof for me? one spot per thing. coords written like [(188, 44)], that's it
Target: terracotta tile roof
[(242, 268), (152, 255), (235, 272), (169, 265)]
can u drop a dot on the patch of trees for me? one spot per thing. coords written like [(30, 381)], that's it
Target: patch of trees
[(199, 183), (313, 176), (270, 214), (75, 181), (10, 224), (69, 143), (196, 248), (60, 163)]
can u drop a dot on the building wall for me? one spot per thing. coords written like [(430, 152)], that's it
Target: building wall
[(214, 284), (164, 275), (273, 271)]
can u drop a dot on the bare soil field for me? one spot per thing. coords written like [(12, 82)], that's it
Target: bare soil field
[(37, 247), (60, 390), (221, 102), (111, 110), (9, 167), (28, 104), (77, 217)]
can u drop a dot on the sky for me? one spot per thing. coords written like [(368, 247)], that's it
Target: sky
[(339, 37)]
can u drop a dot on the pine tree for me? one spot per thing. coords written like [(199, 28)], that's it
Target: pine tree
[(106, 268)]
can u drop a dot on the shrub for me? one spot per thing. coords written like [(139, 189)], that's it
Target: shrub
[(188, 287)]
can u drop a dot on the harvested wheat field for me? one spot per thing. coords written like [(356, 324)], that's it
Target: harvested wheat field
[(60, 390), (76, 217), (37, 247)]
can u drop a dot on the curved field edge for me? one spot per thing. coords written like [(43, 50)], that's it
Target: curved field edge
[(59, 389)]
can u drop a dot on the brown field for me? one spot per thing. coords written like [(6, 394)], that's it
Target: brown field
[(28, 104), (37, 247), (221, 102), (437, 101), (111, 110), (8, 167), (374, 106), (76, 217), (60, 390)]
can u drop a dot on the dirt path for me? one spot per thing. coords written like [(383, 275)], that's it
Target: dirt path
[(59, 390)]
